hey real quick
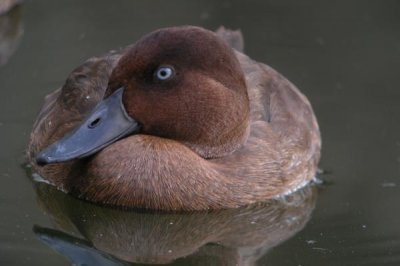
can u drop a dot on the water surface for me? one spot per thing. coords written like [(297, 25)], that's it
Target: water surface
[(344, 55)]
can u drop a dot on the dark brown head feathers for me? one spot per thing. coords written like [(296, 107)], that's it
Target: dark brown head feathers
[(205, 103)]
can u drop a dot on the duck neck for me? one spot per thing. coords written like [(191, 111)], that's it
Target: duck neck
[(215, 145)]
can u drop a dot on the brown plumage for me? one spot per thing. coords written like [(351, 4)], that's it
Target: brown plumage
[(225, 131)]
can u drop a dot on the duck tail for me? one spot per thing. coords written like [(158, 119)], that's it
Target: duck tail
[(233, 38)]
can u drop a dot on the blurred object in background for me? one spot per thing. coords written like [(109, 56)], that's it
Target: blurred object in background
[(6, 5), (11, 29)]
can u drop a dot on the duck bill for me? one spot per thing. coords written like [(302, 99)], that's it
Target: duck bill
[(107, 123)]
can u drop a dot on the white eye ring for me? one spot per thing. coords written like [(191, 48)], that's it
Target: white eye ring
[(164, 72)]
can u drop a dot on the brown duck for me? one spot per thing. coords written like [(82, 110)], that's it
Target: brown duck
[(177, 121)]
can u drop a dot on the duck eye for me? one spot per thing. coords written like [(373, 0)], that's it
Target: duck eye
[(164, 72)]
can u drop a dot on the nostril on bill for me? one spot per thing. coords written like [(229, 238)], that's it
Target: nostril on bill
[(94, 123)]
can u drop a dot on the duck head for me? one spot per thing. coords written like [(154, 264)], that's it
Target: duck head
[(182, 83)]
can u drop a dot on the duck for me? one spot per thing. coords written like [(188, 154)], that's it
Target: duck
[(181, 120)]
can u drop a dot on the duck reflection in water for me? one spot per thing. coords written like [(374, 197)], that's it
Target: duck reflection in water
[(88, 234)]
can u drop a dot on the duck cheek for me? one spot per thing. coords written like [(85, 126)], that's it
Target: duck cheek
[(107, 123), (153, 111)]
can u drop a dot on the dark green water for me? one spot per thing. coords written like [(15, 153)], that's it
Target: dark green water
[(344, 55)]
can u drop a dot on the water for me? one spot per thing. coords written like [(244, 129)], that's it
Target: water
[(345, 56)]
